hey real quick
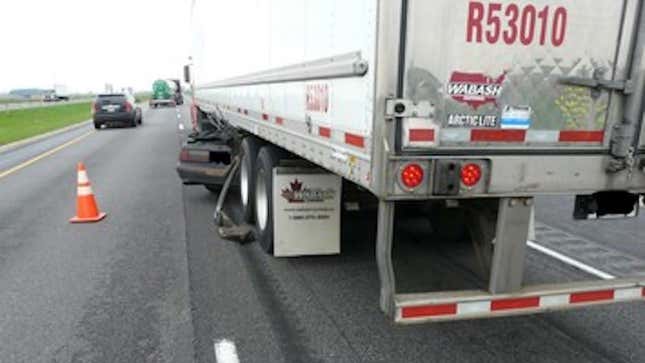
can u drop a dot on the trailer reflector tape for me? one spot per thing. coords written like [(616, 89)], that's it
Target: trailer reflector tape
[(265, 117), (591, 296), (279, 120), (422, 135), (354, 140), (473, 307), (582, 136), (518, 303), (428, 310), (627, 294), (495, 135), (455, 135), (324, 131), (542, 136), (488, 305), (521, 136)]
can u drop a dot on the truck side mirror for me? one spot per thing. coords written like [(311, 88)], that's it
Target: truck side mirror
[(187, 73)]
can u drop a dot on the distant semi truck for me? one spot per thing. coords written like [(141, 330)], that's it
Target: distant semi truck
[(166, 92), (59, 93)]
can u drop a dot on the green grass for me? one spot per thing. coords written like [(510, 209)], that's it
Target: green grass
[(20, 124)]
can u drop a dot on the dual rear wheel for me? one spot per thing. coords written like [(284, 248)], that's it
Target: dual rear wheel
[(256, 187)]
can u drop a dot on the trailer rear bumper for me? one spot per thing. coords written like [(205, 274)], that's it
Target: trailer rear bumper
[(444, 306)]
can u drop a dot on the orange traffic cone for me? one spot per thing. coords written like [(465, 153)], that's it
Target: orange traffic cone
[(87, 211)]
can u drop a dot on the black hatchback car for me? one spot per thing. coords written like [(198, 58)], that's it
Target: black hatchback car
[(116, 109)]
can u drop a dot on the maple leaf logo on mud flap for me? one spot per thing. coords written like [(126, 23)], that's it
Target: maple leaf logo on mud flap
[(296, 186), (475, 89), (296, 193)]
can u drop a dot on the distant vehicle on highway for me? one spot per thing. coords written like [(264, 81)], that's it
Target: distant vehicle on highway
[(59, 93), (166, 92), (116, 109)]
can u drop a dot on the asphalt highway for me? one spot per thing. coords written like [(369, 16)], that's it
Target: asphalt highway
[(109, 292), (154, 282)]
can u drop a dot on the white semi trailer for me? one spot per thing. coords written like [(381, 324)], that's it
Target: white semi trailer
[(470, 105)]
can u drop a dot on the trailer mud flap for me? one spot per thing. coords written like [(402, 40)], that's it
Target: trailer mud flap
[(306, 210)]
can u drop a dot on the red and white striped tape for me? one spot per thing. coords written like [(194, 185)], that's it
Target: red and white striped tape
[(351, 139), (490, 306), (427, 137), (522, 136)]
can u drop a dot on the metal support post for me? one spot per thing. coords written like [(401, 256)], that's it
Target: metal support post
[(512, 231), (384, 236)]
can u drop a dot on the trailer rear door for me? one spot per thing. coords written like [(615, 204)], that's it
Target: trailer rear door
[(506, 74)]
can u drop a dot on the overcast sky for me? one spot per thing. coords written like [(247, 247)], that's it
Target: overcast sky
[(85, 44)]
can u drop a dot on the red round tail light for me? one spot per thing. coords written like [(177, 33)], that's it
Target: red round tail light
[(412, 175), (471, 174)]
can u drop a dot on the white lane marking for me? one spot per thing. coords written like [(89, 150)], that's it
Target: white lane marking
[(181, 127), (225, 352), (178, 115), (570, 261)]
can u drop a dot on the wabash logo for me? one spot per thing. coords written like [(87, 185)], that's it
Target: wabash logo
[(295, 193), (475, 89)]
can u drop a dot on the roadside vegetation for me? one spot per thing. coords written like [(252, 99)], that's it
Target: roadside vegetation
[(20, 124), (141, 97)]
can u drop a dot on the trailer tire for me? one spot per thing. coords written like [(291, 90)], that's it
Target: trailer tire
[(268, 158), (249, 149)]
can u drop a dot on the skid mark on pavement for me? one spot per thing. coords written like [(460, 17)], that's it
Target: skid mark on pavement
[(47, 153), (589, 252)]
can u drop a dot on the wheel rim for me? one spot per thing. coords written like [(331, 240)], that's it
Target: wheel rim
[(261, 201), (244, 184)]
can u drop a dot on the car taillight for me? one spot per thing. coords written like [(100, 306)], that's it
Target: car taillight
[(471, 174), (412, 175), (128, 107)]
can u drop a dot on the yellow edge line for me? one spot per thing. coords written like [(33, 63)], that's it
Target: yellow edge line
[(44, 155)]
